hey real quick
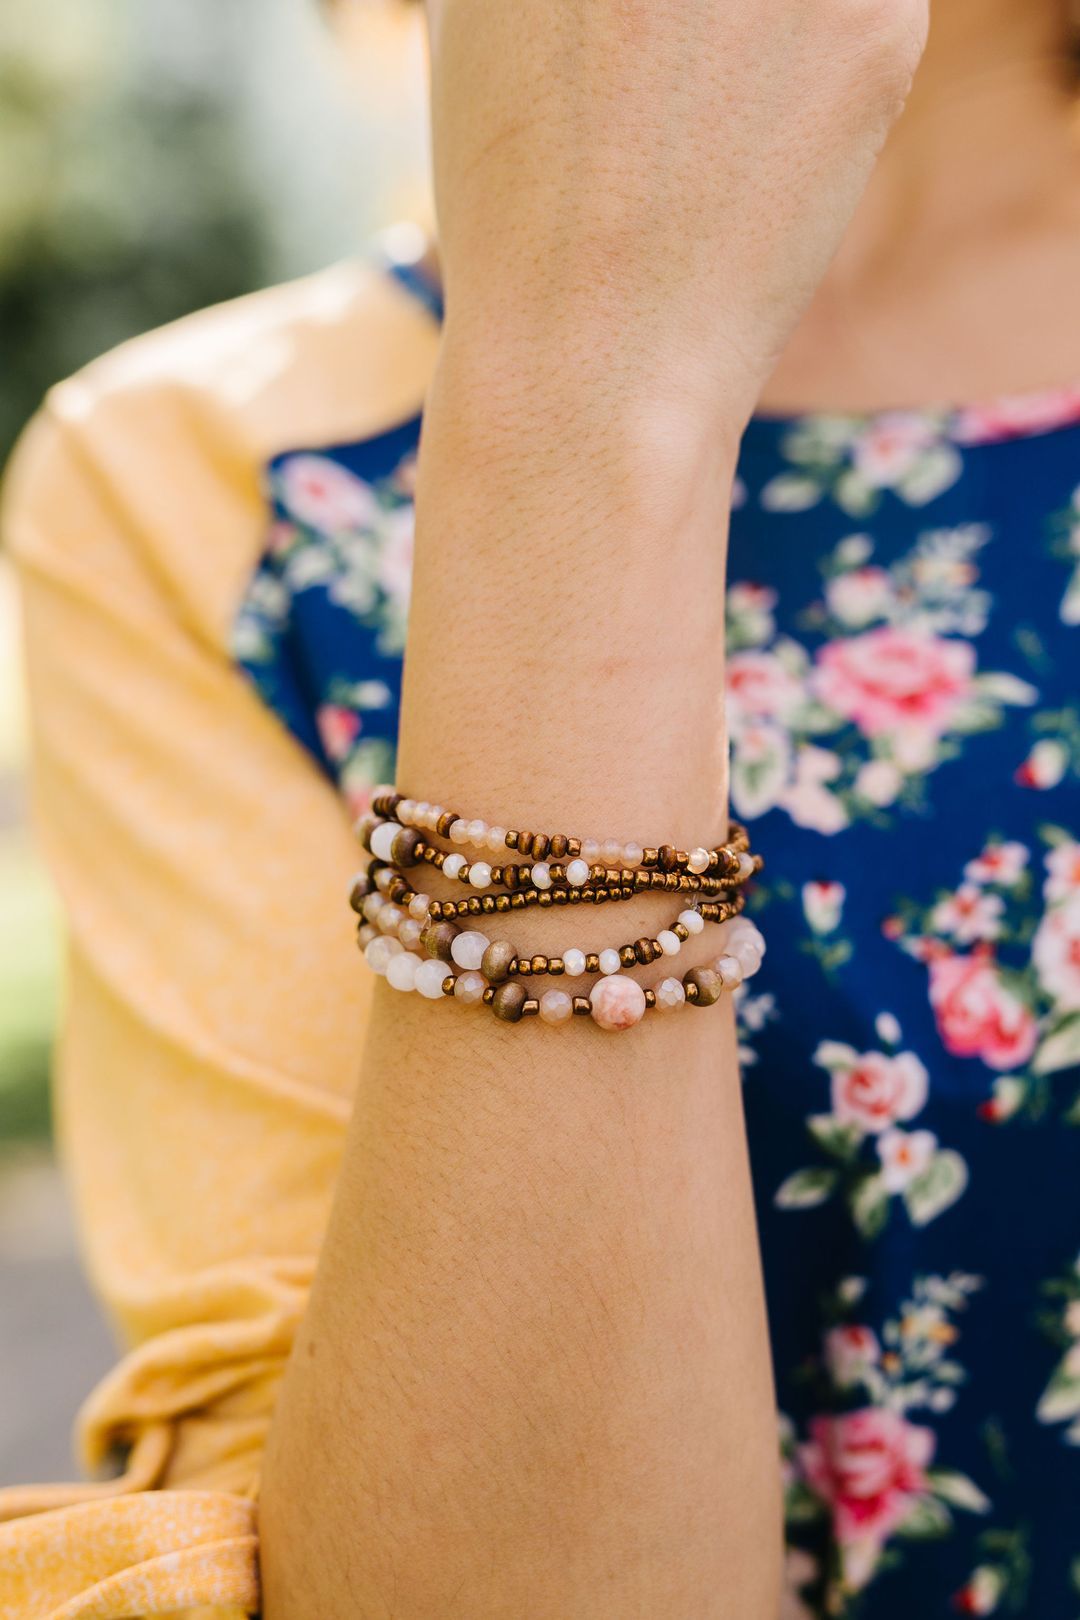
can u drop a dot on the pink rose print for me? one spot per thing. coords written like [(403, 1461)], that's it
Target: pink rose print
[(1055, 951), (969, 914), (894, 680), (998, 863), (860, 596), (876, 1091), (324, 495), (1018, 414), (1063, 872), (1045, 765), (892, 446), (759, 686), (976, 1015), (851, 1352), (869, 1466), (338, 729), (904, 1156), (823, 902)]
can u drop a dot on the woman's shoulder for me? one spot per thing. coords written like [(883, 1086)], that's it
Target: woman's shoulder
[(168, 435)]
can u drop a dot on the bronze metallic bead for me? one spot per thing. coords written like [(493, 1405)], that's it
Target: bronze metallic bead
[(592, 962), (403, 848), (445, 822), (681, 932), (487, 902), (582, 1007), (448, 985), (502, 902), (650, 857), (488, 996), (628, 955), (650, 998), (559, 846), (474, 906), (530, 1007), (508, 1002), (437, 938), (539, 964), (681, 857), (517, 902), (559, 896), (707, 984), (556, 966), (511, 840), (642, 879), (573, 848), (544, 898)]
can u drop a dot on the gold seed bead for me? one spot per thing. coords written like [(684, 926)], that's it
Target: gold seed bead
[(573, 848), (445, 822), (502, 902), (582, 1007), (556, 966), (474, 906), (488, 996), (592, 962), (508, 1001), (448, 985), (681, 932), (543, 898), (539, 964), (643, 951), (649, 857), (650, 998), (530, 1007)]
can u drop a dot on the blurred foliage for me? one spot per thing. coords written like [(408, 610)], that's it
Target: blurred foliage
[(123, 201)]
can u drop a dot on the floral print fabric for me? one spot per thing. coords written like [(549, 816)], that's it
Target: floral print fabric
[(905, 727)]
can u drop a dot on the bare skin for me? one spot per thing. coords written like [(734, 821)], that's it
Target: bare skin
[(533, 1379), (970, 227)]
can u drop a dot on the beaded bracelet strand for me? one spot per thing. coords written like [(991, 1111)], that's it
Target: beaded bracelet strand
[(401, 813), (615, 1002)]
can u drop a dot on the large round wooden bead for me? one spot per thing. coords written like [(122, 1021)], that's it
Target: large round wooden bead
[(617, 1002), (403, 847), (496, 960), (708, 984), (438, 938), (508, 1001)]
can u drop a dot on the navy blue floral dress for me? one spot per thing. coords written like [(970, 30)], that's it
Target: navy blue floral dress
[(904, 650)]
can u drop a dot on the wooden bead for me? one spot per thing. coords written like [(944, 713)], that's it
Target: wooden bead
[(666, 857), (644, 952), (706, 985), (540, 845), (437, 938), (559, 846), (508, 1002), (495, 965), (359, 892), (404, 847)]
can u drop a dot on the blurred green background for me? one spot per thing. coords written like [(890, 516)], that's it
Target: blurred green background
[(155, 157)]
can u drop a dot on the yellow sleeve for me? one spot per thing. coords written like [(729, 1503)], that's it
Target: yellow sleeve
[(214, 1007)]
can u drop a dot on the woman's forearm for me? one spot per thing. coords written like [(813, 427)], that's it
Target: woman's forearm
[(534, 1377)]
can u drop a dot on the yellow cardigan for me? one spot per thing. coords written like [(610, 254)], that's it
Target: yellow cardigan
[(214, 1006)]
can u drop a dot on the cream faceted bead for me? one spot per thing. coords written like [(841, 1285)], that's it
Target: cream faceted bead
[(478, 831), (373, 904), (459, 831), (577, 872), (590, 850), (617, 1002), (556, 1007), (468, 949), (633, 854), (454, 865), (573, 962), (469, 988), (383, 879), (670, 994), (610, 961), (429, 978), (730, 971), (746, 865), (541, 875), (698, 860), (669, 942), (418, 906), (692, 921), (401, 970), (382, 840), (496, 840), (390, 919), (480, 875), (611, 851), (409, 932), (747, 955), (378, 953)]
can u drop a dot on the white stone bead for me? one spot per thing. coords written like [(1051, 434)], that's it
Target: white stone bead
[(618, 1002), (378, 953), (365, 934), (541, 875), (468, 948), (574, 962), (429, 978), (611, 852), (747, 955), (670, 994), (633, 854), (384, 877), (746, 865), (496, 840), (730, 970), (480, 875), (409, 932), (556, 1007), (459, 831), (390, 919), (373, 904), (669, 943), (418, 906), (454, 865), (609, 961), (692, 921), (407, 810), (382, 839), (577, 872), (478, 831), (401, 970), (590, 850), (469, 988), (431, 820), (698, 860)]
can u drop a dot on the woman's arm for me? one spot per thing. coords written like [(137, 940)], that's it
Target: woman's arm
[(533, 1377)]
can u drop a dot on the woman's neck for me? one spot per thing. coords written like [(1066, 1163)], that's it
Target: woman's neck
[(970, 223)]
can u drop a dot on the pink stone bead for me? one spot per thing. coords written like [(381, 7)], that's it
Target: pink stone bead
[(611, 852), (618, 1002), (556, 1007)]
